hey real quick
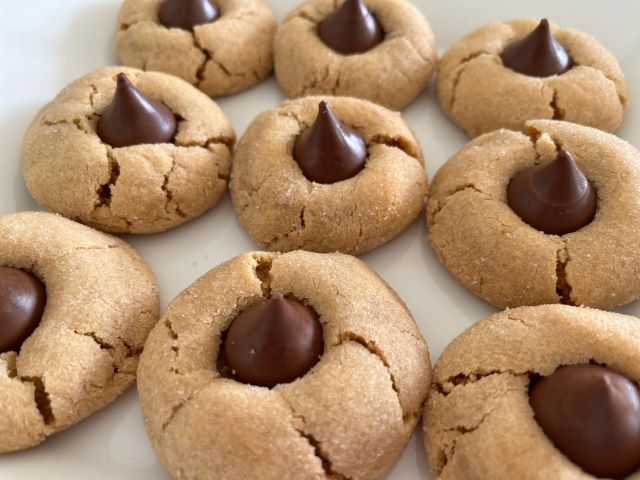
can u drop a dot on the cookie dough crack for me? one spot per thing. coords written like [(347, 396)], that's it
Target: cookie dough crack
[(462, 66), (371, 346), (563, 287), (315, 444), (41, 398), (175, 348), (104, 191), (262, 271), (447, 386), (441, 203), (558, 113), (397, 142), (168, 193)]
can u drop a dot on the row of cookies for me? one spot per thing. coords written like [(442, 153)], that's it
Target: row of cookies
[(520, 218), (277, 347), (498, 76)]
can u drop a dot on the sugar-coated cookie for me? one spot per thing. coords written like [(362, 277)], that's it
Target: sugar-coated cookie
[(502, 258), (489, 415), (383, 51), (225, 49), (82, 351), (349, 416), (327, 174), (141, 158), (481, 90)]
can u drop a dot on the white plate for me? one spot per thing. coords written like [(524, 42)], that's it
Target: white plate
[(45, 44)]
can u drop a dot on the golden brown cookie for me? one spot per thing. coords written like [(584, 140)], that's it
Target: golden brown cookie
[(502, 259), (348, 417), (222, 57), (478, 422), (481, 95), (283, 210), (392, 73), (101, 302), (139, 189)]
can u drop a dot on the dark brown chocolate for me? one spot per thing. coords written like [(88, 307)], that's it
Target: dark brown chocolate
[(538, 54), (186, 14), (273, 341), (555, 198), (592, 415), (329, 151), (134, 119), (22, 299), (351, 28)]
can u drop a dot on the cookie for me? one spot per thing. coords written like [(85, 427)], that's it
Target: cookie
[(481, 94), (76, 161), (383, 188), (481, 422), (227, 55), (348, 417), (383, 52), (500, 257), (101, 302)]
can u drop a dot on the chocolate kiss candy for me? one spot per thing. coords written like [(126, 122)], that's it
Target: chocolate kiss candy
[(538, 54), (351, 28), (592, 414), (186, 14), (22, 299), (273, 341), (555, 198), (329, 151), (133, 119)]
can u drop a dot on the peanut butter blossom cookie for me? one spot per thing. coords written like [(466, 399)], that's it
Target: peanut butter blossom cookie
[(298, 365), (379, 50), (504, 74), (128, 151), (76, 307), (220, 46), (535, 393), (327, 174), (543, 217)]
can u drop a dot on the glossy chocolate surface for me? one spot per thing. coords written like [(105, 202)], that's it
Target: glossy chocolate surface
[(134, 119), (273, 341), (186, 14), (555, 198), (22, 300), (329, 151), (592, 415), (538, 54), (351, 28)]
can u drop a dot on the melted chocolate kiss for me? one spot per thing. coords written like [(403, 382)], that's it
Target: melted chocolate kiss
[(133, 119), (538, 54), (592, 414), (329, 151), (186, 14), (555, 198), (22, 299), (351, 28), (274, 341)]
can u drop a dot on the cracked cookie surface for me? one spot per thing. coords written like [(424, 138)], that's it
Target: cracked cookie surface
[(349, 417), (102, 301), (222, 57), (283, 210), (500, 258), (478, 423), (140, 189), (391, 74), (482, 95)]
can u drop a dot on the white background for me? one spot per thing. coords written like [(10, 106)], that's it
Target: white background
[(45, 44)]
